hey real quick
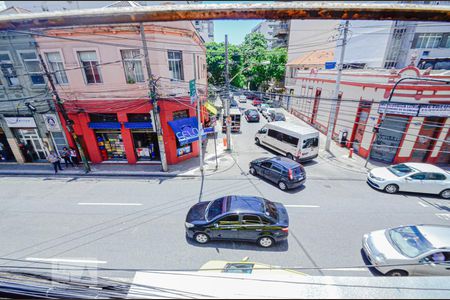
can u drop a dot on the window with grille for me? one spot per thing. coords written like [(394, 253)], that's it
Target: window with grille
[(176, 65), (8, 70), (89, 62), (33, 67), (56, 66), (132, 65), (428, 40)]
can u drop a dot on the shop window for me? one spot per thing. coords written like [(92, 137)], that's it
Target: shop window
[(103, 118), (33, 67), (176, 65), (183, 149), (56, 66), (89, 62), (110, 144), (145, 144), (139, 118), (132, 65), (8, 70), (180, 114)]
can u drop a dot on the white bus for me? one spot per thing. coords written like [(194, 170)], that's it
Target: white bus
[(295, 142)]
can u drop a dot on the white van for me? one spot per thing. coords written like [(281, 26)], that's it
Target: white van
[(295, 142), (235, 115)]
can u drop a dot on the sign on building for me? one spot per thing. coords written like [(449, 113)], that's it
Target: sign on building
[(51, 122), (434, 110), (396, 108), (20, 122)]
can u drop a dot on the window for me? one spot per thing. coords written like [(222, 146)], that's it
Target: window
[(8, 70), (132, 65), (428, 40), (290, 139), (99, 118), (312, 142), (176, 65), (139, 118), (277, 168), (33, 67), (240, 268), (89, 63), (229, 220), (215, 208), (435, 176), (266, 164), (251, 219), (418, 176), (56, 66), (180, 114), (272, 133)]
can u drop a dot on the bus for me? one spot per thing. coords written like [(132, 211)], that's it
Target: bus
[(235, 115)]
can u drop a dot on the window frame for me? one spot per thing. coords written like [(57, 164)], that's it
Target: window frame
[(429, 174), (82, 68), (31, 73), (11, 62), (418, 173), (277, 168), (266, 162), (62, 61), (428, 40), (229, 223), (251, 215), (133, 61), (174, 60)]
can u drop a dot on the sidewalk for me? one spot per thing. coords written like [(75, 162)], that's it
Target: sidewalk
[(188, 168), (338, 156)]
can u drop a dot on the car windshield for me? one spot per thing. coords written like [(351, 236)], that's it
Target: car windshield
[(215, 208), (252, 112), (409, 241), (401, 170)]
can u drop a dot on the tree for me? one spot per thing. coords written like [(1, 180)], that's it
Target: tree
[(215, 58)]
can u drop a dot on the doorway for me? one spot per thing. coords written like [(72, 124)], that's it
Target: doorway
[(423, 146), (31, 145)]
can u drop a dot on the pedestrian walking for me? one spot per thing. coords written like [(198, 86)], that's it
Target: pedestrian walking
[(55, 160), (74, 156), (66, 156)]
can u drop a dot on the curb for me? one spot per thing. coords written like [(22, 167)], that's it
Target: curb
[(97, 175)]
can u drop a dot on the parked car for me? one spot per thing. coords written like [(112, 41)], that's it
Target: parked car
[(251, 115), (276, 116), (411, 177), (284, 172), (245, 218), (233, 104), (409, 250), (296, 142), (242, 99), (262, 106), (267, 112), (256, 102)]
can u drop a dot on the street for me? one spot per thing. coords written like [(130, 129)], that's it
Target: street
[(139, 223)]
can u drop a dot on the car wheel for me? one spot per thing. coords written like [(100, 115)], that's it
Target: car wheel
[(445, 194), (257, 141), (201, 238), (252, 171), (397, 273), (290, 156), (391, 188), (266, 241), (282, 186)]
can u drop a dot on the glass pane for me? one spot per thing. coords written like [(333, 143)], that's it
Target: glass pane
[(87, 56), (29, 55), (4, 57), (33, 66), (37, 79), (53, 57)]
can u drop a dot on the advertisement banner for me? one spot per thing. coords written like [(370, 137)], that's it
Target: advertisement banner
[(51, 122), (20, 122), (434, 110), (396, 108)]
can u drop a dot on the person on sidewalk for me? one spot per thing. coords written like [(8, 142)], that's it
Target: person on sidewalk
[(66, 156), (55, 160), (73, 156)]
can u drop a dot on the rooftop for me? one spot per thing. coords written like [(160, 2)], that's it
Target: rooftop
[(317, 57)]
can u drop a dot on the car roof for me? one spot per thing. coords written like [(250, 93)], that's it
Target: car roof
[(437, 235), (250, 204), (422, 167), (291, 128), (285, 162)]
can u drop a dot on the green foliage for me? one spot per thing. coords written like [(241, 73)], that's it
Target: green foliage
[(245, 62)]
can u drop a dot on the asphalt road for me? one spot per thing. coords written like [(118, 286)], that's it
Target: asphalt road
[(139, 224)]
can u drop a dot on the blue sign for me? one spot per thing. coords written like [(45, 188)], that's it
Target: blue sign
[(330, 65)]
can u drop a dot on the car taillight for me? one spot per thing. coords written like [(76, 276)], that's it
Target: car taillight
[(291, 176), (285, 229)]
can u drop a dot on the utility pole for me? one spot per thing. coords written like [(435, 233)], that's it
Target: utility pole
[(67, 120), (336, 89), (199, 122), (227, 102), (154, 100)]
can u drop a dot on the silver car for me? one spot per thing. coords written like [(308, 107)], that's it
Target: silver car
[(409, 250)]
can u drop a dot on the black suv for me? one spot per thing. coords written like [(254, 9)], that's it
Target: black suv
[(245, 218), (285, 172)]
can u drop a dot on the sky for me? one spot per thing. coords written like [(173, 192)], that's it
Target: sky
[(236, 29)]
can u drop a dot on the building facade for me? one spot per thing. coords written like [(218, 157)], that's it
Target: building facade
[(417, 123), (275, 32), (206, 29), (100, 73), (29, 125)]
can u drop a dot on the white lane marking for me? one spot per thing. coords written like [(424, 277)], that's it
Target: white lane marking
[(443, 216), (110, 203), (87, 261), (347, 269), (295, 205), (423, 204)]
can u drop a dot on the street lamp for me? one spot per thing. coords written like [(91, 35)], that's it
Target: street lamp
[(383, 116)]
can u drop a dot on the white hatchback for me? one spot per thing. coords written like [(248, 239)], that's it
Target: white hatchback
[(411, 177)]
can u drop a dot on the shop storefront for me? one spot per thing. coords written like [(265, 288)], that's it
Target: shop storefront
[(6, 154), (28, 139), (145, 139), (110, 144)]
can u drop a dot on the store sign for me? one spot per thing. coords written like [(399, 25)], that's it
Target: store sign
[(51, 122), (404, 109), (20, 122), (434, 110), (184, 150)]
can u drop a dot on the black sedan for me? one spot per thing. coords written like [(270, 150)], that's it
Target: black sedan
[(243, 218), (251, 115)]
